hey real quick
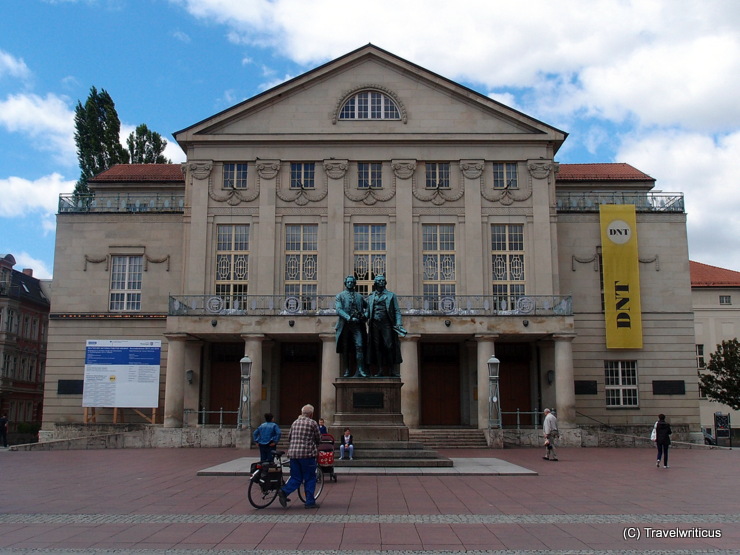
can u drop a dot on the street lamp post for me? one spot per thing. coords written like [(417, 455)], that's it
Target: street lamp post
[(494, 406), (245, 365)]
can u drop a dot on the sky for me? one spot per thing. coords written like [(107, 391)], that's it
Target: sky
[(652, 83)]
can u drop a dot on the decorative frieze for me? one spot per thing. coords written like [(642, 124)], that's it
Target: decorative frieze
[(472, 169), (336, 169)]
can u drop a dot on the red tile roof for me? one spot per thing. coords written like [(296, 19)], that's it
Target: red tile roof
[(140, 172), (601, 172), (704, 275)]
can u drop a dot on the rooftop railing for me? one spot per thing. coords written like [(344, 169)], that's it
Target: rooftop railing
[(411, 305), (572, 201), (70, 203)]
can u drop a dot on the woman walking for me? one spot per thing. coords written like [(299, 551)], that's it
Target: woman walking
[(662, 439)]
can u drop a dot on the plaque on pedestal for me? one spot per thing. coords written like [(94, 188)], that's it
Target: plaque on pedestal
[(371, 408)]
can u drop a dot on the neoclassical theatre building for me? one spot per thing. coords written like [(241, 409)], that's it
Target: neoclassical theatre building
[(575, 276)]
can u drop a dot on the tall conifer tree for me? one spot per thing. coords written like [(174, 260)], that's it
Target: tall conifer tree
[(97, 130)]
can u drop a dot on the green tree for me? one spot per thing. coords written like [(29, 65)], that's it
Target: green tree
[(146, 147), (97, 130), (722, 381)]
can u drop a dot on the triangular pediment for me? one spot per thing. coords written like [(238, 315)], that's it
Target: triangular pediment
[(307, 107)]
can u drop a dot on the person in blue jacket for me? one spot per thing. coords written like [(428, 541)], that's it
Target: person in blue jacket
[(266, 436)]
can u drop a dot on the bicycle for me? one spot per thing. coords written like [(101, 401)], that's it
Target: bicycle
[(267, 478)]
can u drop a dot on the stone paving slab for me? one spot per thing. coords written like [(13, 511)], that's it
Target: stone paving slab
[(461, 467), (153, 502)]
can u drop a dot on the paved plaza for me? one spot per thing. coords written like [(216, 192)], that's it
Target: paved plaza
[(192, 501)]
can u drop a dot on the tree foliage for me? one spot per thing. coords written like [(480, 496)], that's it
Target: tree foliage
[(146, 147), (721, 382), (97, 130)]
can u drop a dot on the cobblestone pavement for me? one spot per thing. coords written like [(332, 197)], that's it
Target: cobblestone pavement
[(591, 501)]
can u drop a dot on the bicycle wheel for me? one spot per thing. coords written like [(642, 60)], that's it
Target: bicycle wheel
[(260, 498), (319, 486)]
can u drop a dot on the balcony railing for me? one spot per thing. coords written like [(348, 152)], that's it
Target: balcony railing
[(70, 203), (323, 305), (571, 201)]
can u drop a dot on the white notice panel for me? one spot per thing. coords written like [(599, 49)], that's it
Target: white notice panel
[(121, 373)]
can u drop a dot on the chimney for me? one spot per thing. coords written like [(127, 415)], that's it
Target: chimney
[(28, 272)]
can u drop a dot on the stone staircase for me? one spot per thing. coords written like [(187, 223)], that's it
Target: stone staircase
[(393, 454), (449, 438)]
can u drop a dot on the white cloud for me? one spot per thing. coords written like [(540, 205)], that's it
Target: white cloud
[(703, 169), (181, 36), (15, 67), (24, 260), (174, 152), (23, 197), (47, 120), (617, 59)]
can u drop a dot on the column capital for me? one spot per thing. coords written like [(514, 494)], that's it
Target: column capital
[(411, 337), (253, 336), (564, 336), (180, 336), (328, 337), (486, 336)]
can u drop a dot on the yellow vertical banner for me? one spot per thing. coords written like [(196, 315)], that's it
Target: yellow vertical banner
[(621, 266)]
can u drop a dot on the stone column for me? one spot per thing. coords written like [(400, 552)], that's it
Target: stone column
[(329, 373), (191, 394), (174, 386), (565, 393), (253, 348), (410, 402), (486, 348)]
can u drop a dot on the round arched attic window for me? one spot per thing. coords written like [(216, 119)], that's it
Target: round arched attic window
[(369, 104)]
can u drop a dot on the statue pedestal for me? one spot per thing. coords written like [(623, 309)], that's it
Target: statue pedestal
[(371, 408)]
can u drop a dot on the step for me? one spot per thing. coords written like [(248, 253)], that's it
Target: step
[(425, 453), (394, 463)]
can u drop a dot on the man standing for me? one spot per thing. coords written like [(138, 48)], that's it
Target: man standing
[(384, 321), (303, 439), (350, 328), (4, 431), (550, 429), (267, 437)]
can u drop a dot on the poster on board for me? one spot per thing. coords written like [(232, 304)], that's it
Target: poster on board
[(121, 373)]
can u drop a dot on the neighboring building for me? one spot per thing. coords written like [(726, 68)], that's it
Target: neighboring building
[(24, 320), (370, 164), (716, 299)]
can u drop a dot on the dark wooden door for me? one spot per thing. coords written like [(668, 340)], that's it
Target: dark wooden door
[(224, 391), (439, 384), (300, 380), (515, 384)]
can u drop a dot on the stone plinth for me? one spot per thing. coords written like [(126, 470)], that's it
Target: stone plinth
[(371, 408)]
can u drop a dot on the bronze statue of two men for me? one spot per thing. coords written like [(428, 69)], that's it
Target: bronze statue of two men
[(370, 328)]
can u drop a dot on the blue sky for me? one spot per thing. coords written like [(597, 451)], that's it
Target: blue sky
[(652, 83)]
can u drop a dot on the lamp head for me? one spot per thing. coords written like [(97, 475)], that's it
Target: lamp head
[(245, 365)]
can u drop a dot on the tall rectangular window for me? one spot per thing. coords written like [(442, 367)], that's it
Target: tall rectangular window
[(505, 176), (302, 262), (620, 383), (437, 175), (369, 254), (235, 176), (232, 264), (302, 175), (700, 362), (125, 283), (438, 259), (507, 264), (369, 175)]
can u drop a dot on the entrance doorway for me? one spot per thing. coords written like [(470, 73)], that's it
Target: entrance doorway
[(225, 383), (439, 384), (300, 380), (515, 383)]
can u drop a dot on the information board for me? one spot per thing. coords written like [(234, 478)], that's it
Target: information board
[(121, 373)]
